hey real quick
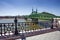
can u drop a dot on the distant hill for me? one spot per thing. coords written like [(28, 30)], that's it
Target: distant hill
[(42, 15)]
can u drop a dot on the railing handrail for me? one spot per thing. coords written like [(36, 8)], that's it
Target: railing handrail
[(12, 23), (19, 22)]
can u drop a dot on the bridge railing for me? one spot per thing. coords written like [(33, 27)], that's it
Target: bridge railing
[(9, 28), (23, 27), (6, 28)]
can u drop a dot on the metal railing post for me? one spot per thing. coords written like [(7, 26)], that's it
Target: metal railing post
[(4, 28), (23, 35)]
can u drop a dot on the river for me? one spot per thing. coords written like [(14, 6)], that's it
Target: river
[(11, 20)]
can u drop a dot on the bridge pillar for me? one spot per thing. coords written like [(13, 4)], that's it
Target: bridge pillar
[(16, 31)]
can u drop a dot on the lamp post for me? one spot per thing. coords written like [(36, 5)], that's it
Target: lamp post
[(52, 23), (15, 21), (1, 28)]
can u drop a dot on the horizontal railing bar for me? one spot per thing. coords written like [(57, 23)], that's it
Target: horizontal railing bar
[(6, 23), (18, 22)]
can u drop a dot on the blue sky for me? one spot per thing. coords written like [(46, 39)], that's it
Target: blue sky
[(23, 7)]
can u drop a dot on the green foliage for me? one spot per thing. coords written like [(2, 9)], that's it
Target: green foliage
[(42, 16)]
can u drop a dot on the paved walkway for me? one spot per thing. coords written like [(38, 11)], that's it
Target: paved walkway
[(48, 36)]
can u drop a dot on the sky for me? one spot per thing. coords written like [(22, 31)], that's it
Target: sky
[(24, 7)]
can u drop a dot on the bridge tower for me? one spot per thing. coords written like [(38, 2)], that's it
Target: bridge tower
[(32, 10), (36, 10)]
